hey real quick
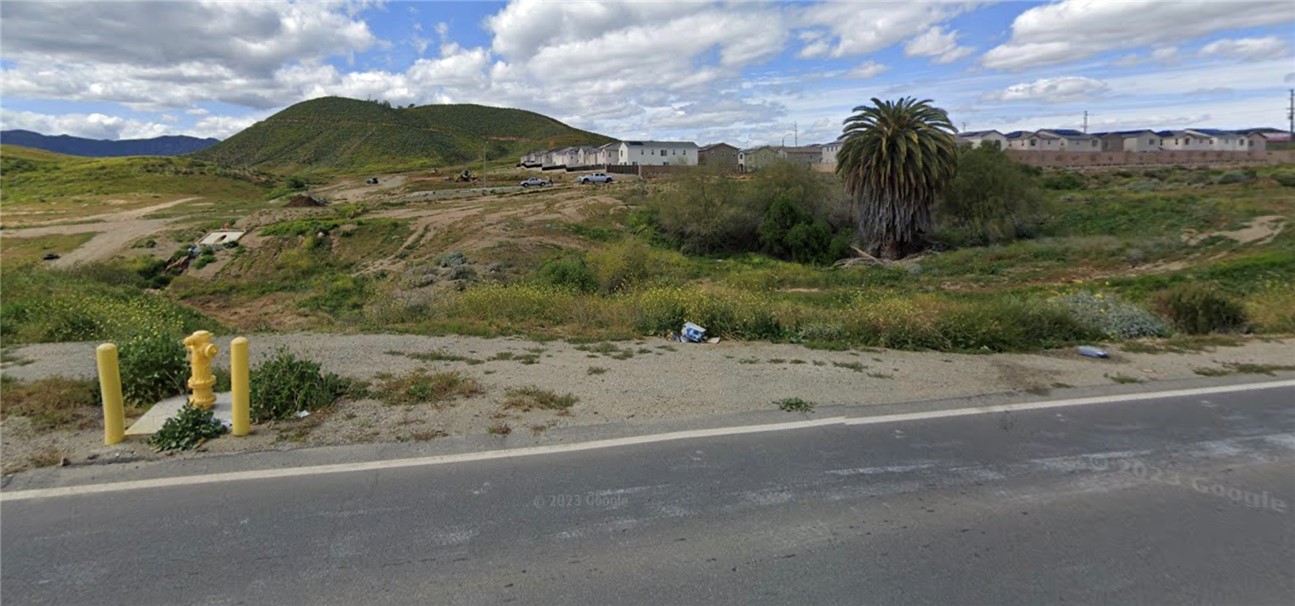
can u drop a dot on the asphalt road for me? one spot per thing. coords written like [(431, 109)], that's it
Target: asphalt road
[(1170, 501)]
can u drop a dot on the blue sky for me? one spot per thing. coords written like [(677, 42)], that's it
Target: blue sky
[(744, 72)]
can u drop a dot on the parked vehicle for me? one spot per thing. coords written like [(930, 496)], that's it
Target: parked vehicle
[(536, 182), (594, 178)]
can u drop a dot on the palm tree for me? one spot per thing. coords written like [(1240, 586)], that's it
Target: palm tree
[(895, 158)]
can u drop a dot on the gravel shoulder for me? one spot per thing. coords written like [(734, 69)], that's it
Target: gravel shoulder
[(640, 381)]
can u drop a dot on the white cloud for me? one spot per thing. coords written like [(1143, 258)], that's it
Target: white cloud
[(867, 70), (861, 28), (1075, 29), (92, 126), (1052, 90), (936, 43), (1246, 49)]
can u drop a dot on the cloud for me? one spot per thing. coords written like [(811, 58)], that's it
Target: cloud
[(867, 70), (93, 126), (1246, 49), (861, 28), (1075, 29), (936, 43), (1052, 90)]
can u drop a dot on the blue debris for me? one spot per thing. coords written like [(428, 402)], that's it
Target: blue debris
[(693, 333)]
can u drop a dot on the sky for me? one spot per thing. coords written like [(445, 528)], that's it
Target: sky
[(746, 73)]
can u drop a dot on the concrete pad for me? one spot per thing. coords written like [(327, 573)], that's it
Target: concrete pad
[(160, 412)]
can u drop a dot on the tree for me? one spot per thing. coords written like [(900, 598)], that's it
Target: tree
[(992, 199), (894, 160)]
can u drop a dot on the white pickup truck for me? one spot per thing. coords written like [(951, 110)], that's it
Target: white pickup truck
[(594, 178), (536, 182)]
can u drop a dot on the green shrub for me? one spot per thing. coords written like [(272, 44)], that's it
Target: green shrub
[(1063, 181), (571, 273), (420, 387), (1197, 309), (186, 430), (1112, 316), (991, 199), (284, 385), (153, 367), (794, 405), (1285, 179), (1236, 176)]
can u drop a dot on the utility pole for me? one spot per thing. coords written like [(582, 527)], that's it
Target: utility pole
[(795, 135), (1290, 115), (1085, 122)]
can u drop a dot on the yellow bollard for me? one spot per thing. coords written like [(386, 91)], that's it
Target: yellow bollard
[(114, 425), (201, 381), (238, 382)]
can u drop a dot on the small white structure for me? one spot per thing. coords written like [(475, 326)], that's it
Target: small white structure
[(657, 153), (220, 238), (831, 149)]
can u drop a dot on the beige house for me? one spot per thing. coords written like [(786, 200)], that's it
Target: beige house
[(718, 154), (976, 138)]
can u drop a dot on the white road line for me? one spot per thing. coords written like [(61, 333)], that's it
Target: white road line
[(312, 470)]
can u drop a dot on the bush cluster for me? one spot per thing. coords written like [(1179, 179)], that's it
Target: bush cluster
[(992, 199), (284, 385), (1113, 317), (1199, 309), (153, 367)]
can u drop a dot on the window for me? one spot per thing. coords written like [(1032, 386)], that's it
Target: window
[(1094, 142), (1033, 142), (1151, 141), (663, 152)]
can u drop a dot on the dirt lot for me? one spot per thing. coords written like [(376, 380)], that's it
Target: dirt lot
[(631, 382)]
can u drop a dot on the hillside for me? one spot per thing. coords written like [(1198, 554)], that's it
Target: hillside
[(42, 177), (335, 133), (101, 148)]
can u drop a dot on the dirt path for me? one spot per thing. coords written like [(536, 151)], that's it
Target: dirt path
[(114, 232), (636, 381)]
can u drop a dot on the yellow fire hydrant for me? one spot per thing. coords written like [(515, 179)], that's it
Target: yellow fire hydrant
[(201, 352)]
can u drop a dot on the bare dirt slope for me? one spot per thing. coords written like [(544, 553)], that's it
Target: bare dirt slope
[(114, 232)]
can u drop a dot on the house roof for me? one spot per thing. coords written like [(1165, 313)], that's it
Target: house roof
[(717, 145), (1018, 134), (752, 150), (662, 143), (1066, 133), (978, 133)]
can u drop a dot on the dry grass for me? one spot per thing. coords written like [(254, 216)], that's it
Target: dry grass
[(530, 398), (51, 403), (421, 387)]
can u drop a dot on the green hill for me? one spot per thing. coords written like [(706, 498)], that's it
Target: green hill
[(32, 175), (334, 133)]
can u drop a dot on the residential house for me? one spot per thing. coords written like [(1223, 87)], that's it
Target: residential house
[(718, 154), (1073, 140), (606, 153), (1185, 140), (756, 158), (657, 153), (1129, 141), (804, 156), (976, 138), (829, 152), (1258, 142)]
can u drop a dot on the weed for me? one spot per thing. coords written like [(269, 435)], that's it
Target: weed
[(1212, 372), (502, 356), (1123, 379), (528, 398), (153, 367), (420, 387), (440, 356), (855, 366), (794, 405), (819, 363), (777, 361), (1183, 344), (46, 457), (424, 435), (186, 430), (1246, 368), (880, 375), (796, 361), (749, 361), (597, 370), (499, 429), (1197, 309), (1058, 385)]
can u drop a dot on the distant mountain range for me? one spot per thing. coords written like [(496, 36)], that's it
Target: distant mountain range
[(100, 148), (336, 133)]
